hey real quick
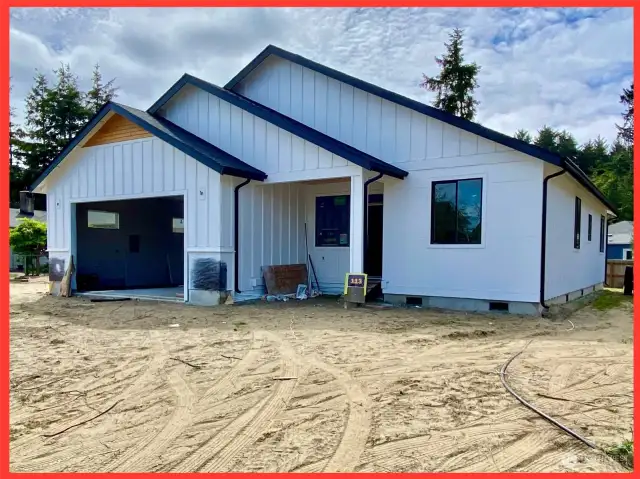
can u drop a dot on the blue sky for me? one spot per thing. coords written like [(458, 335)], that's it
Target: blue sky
[(560, 67)]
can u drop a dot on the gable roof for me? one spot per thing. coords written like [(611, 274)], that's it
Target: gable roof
[(286, 123), (620, 233), (466, 125), (200, 150)]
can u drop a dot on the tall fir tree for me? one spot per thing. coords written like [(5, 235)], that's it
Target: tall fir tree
[(625, 132), (546, 138), (455, 85), (68, 111), (523, 135), (38, 147), (99, 93), (16, 149)]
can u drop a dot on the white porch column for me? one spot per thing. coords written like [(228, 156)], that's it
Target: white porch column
[(356, 228)]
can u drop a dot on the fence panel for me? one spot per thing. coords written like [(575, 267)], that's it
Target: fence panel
[(615, 272)]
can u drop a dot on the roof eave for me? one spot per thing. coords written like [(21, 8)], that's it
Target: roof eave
[(582, 178), (251, 173), (466, 125), (100, 114), (344, 150)]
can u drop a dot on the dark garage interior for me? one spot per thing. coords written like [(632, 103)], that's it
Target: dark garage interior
[(130, 244)]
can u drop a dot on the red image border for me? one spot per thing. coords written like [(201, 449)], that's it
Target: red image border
[(4, 140)]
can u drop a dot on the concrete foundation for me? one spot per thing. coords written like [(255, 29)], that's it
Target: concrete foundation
[(467, 304), (485, 306), (200, 297), (573, 295)]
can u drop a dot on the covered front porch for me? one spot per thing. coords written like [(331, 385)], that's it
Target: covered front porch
[(317, 222)]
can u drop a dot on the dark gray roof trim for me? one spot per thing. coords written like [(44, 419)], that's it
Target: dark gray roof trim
[(206, 153), (471, 127), (286, 123)]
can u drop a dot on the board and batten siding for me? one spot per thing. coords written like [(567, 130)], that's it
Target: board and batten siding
[(505, 267), (569, 269), (148, 167), (139, 169), (280, 154), (271, 230), (381, 128)]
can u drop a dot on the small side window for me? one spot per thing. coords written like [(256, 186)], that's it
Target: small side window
[(602, 233), (103, 219), (589, 227), (576, 223), (178, 225)]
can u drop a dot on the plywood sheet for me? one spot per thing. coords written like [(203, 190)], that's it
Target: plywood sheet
[(116, 129), (284, 279)]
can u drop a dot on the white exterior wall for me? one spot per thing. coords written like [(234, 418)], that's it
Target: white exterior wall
[(284, 157), (569, 269), (271, 227), (137, 169), (271, 230), (505, 267)]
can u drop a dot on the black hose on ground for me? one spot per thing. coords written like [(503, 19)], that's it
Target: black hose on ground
[(503, 372)]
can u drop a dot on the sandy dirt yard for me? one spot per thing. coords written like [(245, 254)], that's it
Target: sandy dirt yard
[(310, 387)]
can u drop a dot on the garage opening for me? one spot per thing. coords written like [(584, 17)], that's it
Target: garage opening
[(131, 248)]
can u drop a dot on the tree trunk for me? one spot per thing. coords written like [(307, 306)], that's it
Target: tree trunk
[(37, 265)]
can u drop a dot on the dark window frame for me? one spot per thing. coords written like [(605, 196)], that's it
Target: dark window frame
[(434, 185), (344, 220), (577, 223), (602, 233), (589, 227)]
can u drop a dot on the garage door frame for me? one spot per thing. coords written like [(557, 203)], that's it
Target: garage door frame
[(136, 196)]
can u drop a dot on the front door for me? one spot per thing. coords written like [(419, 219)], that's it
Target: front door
[(373, 255)]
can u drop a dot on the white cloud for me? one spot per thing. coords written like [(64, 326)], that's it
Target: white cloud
[(560, 67)]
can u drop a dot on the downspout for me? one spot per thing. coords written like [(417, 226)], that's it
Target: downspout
[(236, 238), (365, 235), (606, 243), (543, 242)]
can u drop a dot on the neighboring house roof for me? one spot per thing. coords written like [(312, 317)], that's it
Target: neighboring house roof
[(621, 227), (620, 233), (195, 147), (471, 127), (301, 130), (15, 216)]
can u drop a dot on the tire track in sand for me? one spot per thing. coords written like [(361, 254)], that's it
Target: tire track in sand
[(144, 457), (41, 462), (356, 431), (218, 453)]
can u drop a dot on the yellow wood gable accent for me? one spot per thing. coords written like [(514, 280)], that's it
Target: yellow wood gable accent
[(116, 129)]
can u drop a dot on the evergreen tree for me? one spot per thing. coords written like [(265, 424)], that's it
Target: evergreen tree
[(38, 147), (625, 132), (16, 137), (68, 113), (566, 145), (523, 135), (547, 138), (593, 153), (100, 93), (456, 83)]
